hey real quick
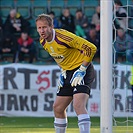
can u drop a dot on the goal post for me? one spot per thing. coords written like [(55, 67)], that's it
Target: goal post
[(106, 66)]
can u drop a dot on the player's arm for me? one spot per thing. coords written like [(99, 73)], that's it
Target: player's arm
[(73, 41), (86, 47), (89, 51), (86, 64)]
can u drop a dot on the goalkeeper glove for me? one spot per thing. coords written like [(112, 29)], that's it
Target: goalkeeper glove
[(78, 76), (61, 78)]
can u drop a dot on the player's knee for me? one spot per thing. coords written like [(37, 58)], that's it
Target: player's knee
[(57, 108), (78, 107)]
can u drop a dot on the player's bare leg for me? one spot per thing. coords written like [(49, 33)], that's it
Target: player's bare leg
[(59, 107), (79, 102)]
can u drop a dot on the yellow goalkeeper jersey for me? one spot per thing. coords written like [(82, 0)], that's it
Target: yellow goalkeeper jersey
[(69, 50)]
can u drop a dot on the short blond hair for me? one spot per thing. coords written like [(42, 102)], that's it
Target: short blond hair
[(45, 17)]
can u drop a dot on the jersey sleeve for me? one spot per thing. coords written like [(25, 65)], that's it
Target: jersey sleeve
[(87, 48), (74, 41)]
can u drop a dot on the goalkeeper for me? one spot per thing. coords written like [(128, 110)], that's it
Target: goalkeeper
[(73, 54)]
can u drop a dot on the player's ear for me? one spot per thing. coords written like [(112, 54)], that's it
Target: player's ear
[(52, 26), (37, 29)]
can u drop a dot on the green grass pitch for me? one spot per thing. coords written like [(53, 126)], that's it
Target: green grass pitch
[(45, 125)]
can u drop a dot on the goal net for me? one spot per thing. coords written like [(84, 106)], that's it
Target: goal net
[(122, 66), (117, 62)]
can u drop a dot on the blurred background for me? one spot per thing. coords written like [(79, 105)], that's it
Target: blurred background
[(28, 75)]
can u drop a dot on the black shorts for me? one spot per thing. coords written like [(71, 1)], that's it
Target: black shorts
[(68, 90)]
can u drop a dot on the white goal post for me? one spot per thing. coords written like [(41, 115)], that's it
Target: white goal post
[(106, 66)]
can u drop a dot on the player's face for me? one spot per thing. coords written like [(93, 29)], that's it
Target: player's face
[(44, 30)]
